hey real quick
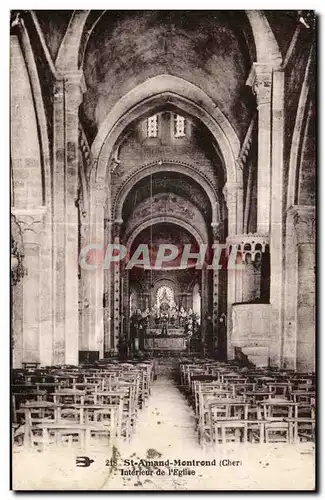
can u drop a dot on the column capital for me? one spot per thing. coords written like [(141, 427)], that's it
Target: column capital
[(260, 79), (73, 84), (216, 227), (229, 191), (31, 223), (304, 221)]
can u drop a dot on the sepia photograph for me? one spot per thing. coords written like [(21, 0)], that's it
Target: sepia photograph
[(163, 250)]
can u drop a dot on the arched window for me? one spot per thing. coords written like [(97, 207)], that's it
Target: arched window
[(179, 126), (152, 126)]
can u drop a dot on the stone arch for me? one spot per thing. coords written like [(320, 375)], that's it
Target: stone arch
[(30, 144), (40, 113), (170, 220), (168, 90), (68, 55), (146, 170), (147, 211), (267, 48), (298, 134)]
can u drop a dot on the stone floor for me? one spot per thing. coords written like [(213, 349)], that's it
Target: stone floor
[(166, 430)]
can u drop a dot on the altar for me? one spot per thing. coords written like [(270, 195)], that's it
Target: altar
[(164, 327), (171, 342)]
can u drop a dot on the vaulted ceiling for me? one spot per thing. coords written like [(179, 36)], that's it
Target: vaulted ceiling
[(211, 49), (127, 48), (171, 182)]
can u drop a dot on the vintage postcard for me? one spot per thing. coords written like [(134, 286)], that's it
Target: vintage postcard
[(163, 213)]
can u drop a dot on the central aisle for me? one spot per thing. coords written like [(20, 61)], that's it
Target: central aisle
[(166, 431)]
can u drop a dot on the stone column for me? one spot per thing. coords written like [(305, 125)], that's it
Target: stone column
[(260, 79), (67, 97), (276, 211), (95, 277), (108, 295), (289, 339), (126, 303), (31, 223), (204, 302), (73, 90), (116, 291), (230, 194), (215, 279), (304, 223)]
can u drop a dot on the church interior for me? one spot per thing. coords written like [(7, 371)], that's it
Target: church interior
[(177, 130)]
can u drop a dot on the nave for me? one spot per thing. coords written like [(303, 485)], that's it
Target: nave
[(168, 428)]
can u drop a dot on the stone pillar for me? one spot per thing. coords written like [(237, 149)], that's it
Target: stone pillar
[(31, 223), (289, 339), (116, 291), (304, 223), (276, 210), (215, 280), (67, 97), (108, 295), (95, 277), (204, 302), (260, 79), (126, 303)]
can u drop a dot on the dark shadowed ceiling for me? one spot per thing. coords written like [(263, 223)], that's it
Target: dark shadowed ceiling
[(211, 49), (206, 49), (159, 234), (171, 182)]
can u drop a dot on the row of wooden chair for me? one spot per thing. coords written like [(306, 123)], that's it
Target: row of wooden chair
[(233, 403), (78, 405)]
